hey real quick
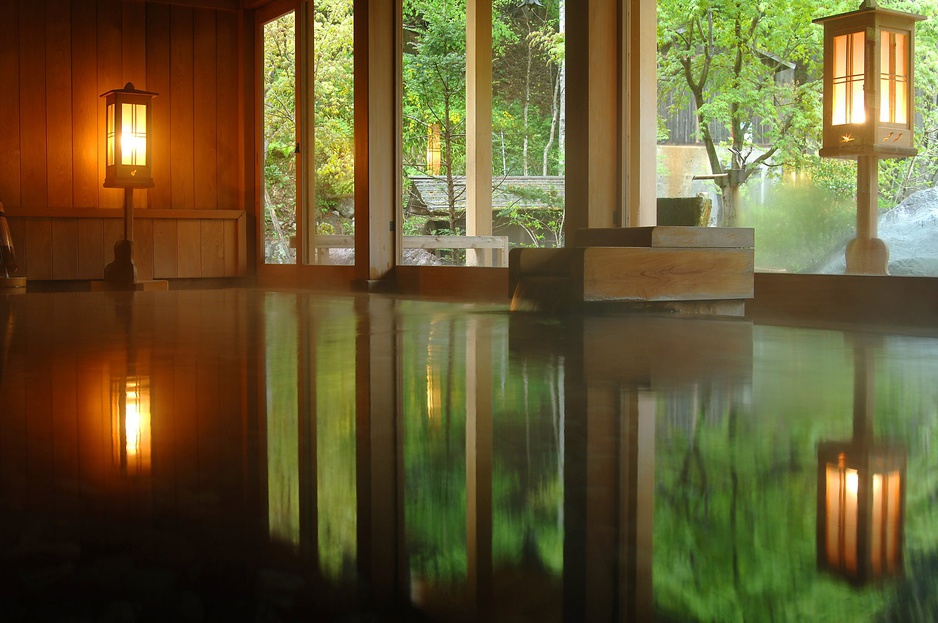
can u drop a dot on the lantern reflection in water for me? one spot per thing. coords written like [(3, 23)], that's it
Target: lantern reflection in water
[(130, 408), (860, 511)]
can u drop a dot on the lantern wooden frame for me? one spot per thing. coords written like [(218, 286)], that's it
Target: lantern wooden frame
[(861, 510), (868, 112), (128, 138)]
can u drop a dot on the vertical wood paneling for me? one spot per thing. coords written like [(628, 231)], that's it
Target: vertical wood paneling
[(189, 252), (165, 242), (65, 248), (33, 104), (18, 232), (90, 248), (85, 138), (181, 87), (227, 157), (58, 107), (56, 58), (213, 248), (160, 196), (204, 113), (134, 58), (231, 248), (109, 77), (113, 231), (39, 248), (9, 104), (143, 248)]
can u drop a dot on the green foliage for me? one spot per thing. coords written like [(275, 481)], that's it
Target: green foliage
[(799, 226)]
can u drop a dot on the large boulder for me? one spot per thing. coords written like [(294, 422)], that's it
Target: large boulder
[(910, 230)]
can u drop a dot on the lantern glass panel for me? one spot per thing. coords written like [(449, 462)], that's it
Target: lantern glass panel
[(110, 138), (884, 545), (848, 104), (134, 134), (842, 486), (894, 80)]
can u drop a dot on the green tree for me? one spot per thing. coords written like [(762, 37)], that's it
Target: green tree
[(726, 57)]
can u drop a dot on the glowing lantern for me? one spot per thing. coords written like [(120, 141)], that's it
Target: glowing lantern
[(868, 83), (128, 126), (861, 511)]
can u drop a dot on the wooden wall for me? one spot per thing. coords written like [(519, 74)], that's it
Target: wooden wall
[(56, 58)]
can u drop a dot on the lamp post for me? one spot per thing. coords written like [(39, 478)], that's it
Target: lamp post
[(861, 494), (128, 165), (868, 111)]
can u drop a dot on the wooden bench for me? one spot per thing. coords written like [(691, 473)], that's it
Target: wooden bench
[(700, 270), (499, 244)]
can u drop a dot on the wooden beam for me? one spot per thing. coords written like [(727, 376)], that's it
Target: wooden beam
[(639, 125), (478, 124)]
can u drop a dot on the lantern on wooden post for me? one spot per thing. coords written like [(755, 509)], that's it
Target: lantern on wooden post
[(868, 111), (128, 165)]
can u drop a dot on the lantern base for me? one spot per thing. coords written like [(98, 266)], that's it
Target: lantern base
[(10, 285), (867, 257)]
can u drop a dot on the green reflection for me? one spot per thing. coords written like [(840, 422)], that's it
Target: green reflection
[(735, 501), (334, 344), (283, 461)]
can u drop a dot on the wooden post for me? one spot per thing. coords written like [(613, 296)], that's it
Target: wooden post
[(639, 95), (377, 139), (478, 126), (593, 115), (867, 254)]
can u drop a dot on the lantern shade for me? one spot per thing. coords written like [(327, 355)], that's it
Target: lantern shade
[(861, 511), (128, 138), (868, 83)]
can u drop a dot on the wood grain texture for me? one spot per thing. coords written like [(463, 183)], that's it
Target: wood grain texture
[(637, 274), (90, 249), (85, 138), (181, 108), (39, 248), (32, 88), (205, 143), (18, 233), (165, 244), (65, 248), (143, 248), (665, 236), (188, 249), (10, 154), (109, 77), (228, 156), (213, 248), (58, 112), (230, 232), (158, 81)]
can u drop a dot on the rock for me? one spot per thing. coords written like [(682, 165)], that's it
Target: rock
[(910, 230)]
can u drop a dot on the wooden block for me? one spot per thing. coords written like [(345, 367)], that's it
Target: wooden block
[(540, 262), (636, 274), (661, 237)]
